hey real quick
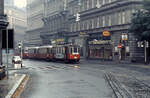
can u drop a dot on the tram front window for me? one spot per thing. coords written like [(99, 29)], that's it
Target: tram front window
[(75, 50)]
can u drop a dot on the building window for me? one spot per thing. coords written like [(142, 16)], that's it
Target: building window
[(81, 25), (78, 26), (98, 22), (103, 19), (87, 5), (119, 18), (103, 3), (88, 25), (85, 25), (92, 23), (128, 17), (109, 20), (92, 2), (109, 1), (123, 18), (73, 27), (70, 28)]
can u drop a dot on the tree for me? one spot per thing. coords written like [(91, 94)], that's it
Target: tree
[(146, 5), (140, 23)]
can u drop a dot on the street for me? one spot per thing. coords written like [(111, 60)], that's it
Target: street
[(83, 80), (55, 80)]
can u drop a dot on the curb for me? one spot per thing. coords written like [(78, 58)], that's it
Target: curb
[(15, 87)]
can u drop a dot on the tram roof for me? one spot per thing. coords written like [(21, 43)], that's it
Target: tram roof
[(32, 47), (50, 46)]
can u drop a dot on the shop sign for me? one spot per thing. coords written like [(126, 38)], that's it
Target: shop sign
[(60, 40), (52, 41), (116, 49), (127, 49), (100, 42), (106, 33), (124, 36), (83, 34)]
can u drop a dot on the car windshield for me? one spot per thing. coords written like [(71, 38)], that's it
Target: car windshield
[(17, 57)]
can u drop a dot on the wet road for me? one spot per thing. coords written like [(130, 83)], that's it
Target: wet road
[(59, 80)]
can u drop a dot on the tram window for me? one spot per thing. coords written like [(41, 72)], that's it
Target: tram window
[(71, 50), (56, 49), (47, 50), (59, 49), (75, 49), (63, 50)]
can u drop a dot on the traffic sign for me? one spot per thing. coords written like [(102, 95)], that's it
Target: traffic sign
[(78, 17), (119, 46)]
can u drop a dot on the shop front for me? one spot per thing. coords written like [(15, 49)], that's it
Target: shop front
[(100, 49)]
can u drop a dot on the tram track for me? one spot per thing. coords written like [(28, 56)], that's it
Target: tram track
[(118, 89), (140, 88)]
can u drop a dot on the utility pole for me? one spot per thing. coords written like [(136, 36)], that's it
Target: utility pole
[(146, 45), (145, 51)]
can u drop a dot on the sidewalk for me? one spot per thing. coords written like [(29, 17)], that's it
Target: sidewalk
[(6, 85)]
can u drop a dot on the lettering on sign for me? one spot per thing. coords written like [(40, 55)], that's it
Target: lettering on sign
[(60, 40), (106, 33), (100, 42)]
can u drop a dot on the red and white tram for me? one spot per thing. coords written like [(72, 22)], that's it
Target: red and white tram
[(45, 52), (67, 53)]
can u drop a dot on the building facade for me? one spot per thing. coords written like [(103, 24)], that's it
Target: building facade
[(55, 21), (9, 3), (16, 19), (102, 31), (35, 13)]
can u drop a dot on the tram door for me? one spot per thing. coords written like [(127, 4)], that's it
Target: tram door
[(66, 52)]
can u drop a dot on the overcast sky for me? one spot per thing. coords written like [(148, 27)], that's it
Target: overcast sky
[(20, 3)]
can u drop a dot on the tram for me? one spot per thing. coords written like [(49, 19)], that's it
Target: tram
[(66, 53)]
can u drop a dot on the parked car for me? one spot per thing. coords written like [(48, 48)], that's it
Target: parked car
[(2, 72), (16, 60)]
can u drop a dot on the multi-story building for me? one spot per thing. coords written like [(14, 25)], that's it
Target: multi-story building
[(8, 3), (16, 19), (35, 12), (102, 31), (55, 21), (101, 28)]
